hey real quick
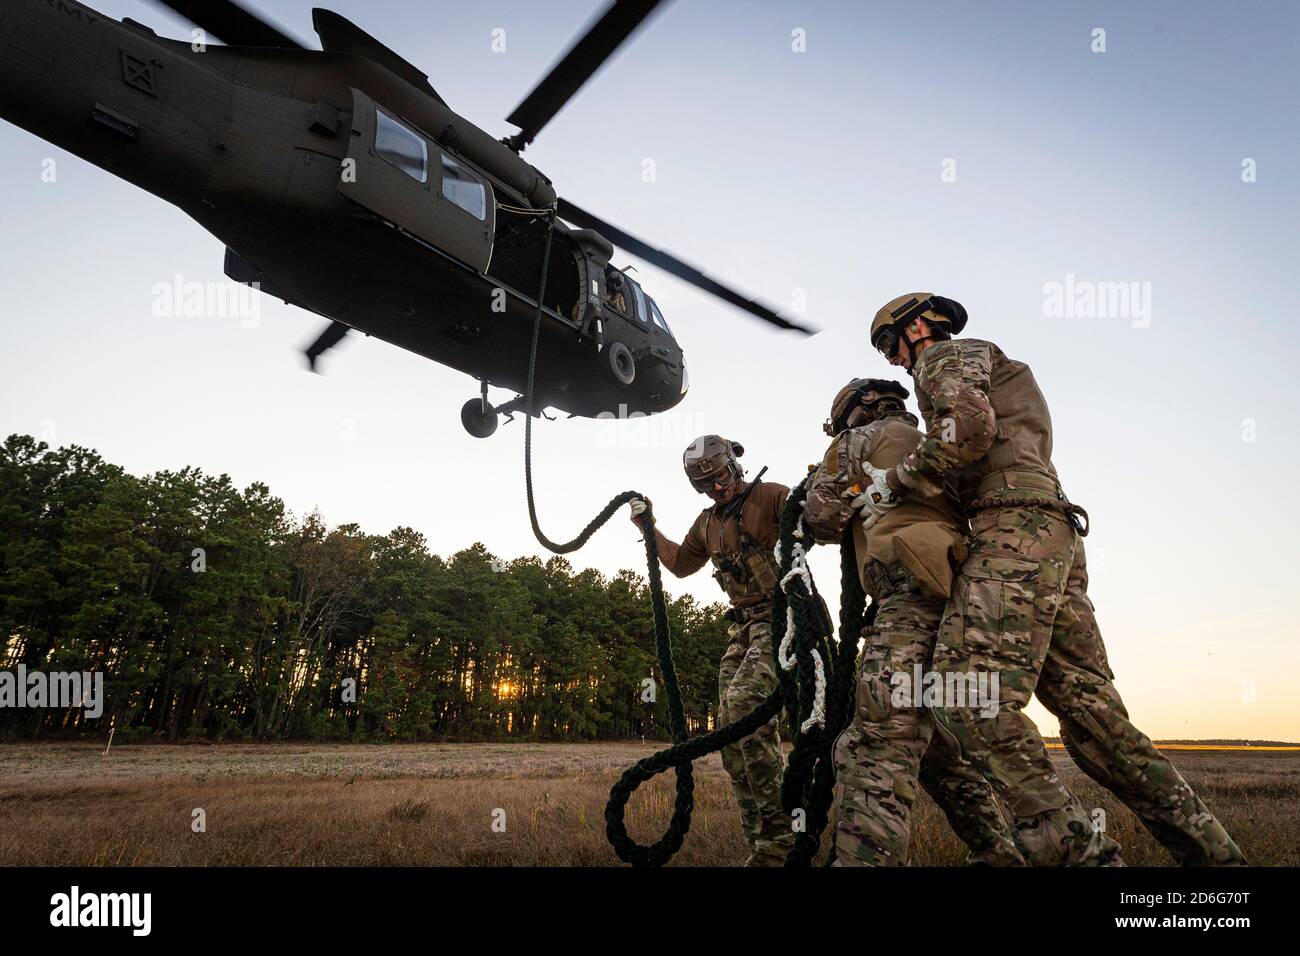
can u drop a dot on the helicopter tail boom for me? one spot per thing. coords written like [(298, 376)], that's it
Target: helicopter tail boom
[(112, 93)]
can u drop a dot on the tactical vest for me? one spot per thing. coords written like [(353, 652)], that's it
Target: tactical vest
[(750, 572)]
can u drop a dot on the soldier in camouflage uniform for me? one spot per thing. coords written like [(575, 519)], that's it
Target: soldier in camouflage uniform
[(737, 534), (1020, 605), (904, 563)]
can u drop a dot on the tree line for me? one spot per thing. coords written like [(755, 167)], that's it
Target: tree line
[(213, 612)]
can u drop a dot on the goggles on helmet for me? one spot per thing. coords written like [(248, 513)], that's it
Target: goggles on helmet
[(886, 342), (722, 476)]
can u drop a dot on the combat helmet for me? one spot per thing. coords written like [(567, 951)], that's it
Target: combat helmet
[(946, 316), (879, 396), (710, 459)]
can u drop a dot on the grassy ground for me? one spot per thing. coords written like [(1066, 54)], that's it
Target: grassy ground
[(320, 804)]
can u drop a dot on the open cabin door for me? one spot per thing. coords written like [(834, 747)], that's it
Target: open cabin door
[(403, 176)]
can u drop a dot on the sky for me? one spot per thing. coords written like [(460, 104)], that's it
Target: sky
[(824, 157)]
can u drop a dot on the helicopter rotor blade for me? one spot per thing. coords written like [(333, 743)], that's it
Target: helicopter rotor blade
[(330, 337), (231, 23), (670, 263), (576, 67)]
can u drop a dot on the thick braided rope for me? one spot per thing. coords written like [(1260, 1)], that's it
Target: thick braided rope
[(616, 502), (658, 853), (685, 802), (839, 698), (785, 654), (682, 753), (854, 617), (810, 780), (810, 774), (800, 638)]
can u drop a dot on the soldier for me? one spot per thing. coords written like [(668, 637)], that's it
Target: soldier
[(614, 289), (904, 563), (1020, 606), (737, 534)]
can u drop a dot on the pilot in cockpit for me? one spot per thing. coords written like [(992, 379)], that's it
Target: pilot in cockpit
[(614, 290)]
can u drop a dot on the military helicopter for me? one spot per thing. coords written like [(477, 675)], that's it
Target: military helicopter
[(341, 182)]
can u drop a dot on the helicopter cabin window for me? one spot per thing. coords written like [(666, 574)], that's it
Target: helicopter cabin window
[(400, 146), (460, 186), (658, 316)]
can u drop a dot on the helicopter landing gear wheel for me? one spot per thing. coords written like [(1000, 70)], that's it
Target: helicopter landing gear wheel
[(478, 417), (617, 364)]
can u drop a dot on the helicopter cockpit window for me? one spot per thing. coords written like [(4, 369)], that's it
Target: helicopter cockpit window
[(460, 186), (640, 301), (658, 316), (401, 147), (616, 290)]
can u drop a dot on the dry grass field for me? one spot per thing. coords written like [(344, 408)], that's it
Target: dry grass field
[(433, 804)]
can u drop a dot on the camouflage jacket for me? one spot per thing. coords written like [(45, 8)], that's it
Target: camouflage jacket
[(988, 424)]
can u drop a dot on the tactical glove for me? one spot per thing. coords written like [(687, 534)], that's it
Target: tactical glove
[(638, 507), (876, 499)]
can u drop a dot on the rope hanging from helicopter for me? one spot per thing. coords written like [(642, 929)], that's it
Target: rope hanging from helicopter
[(814, 685)]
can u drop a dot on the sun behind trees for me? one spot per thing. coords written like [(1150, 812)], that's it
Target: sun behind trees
[(215, 613)]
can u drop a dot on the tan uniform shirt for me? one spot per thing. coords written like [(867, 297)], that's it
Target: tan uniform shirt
[(919, 531), (711, 537)]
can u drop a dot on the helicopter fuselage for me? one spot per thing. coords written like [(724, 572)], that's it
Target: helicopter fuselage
[(344, 186)]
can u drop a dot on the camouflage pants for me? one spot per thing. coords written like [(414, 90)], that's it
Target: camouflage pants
[(888, 747), (745, 679), (1020, 609)]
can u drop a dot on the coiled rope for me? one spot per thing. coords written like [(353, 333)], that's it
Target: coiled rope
[(817, 702)]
